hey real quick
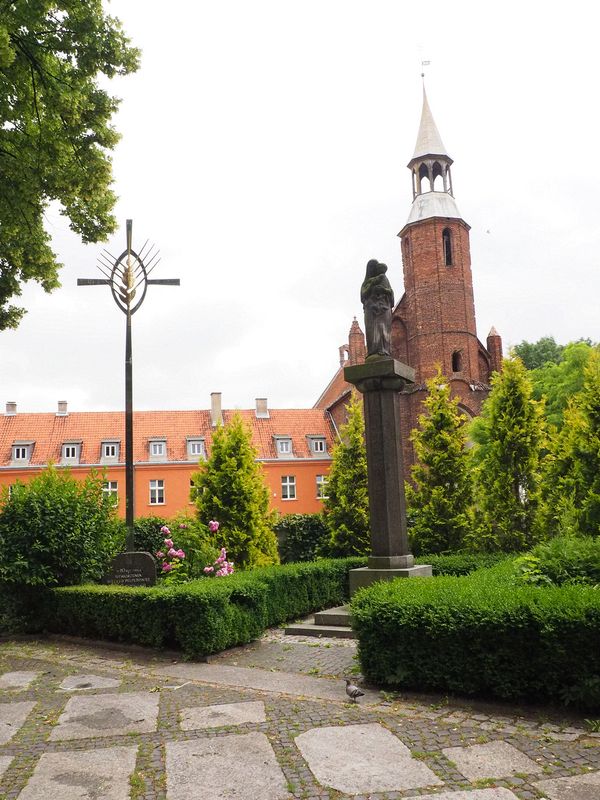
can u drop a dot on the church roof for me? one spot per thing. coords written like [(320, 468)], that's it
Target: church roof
[(433, 204), (429, 141)]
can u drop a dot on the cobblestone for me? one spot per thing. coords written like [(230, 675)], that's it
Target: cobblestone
[(558, 747)]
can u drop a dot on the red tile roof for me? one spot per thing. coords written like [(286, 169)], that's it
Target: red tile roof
[(50, 431)]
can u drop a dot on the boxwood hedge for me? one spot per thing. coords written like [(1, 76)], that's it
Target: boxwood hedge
[(203, 616), (482, 635)]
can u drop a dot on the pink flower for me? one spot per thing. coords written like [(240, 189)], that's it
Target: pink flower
[(168, 542), (209, 569), (222, 572), (166, 566), (182, 525), (160, 554), (172, 553), (213, 526), (180, 554), (229, 568), (220, 560), (165, 531)]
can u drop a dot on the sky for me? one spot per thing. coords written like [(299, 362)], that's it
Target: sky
[(264, 149)]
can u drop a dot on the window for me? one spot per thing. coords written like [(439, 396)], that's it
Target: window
[(318, 445), (284, 446), (447, 246), (288, 487), (157, 492), (158, 449), (21, 453), (321, 484), (457, 361), (110, 451), (70, 452), (196, 449), (111, 489)]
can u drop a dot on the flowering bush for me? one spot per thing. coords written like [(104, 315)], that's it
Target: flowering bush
[(171, 558), (221, 567)]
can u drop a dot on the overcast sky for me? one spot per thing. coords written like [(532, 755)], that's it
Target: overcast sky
[(264, 150)]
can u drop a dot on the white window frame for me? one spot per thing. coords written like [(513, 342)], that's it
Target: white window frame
[(322, 487), (196, 449), (106, 455), (20, 452), (288, 487), (284, 446), (157, 492), (69, 451), (318, 445), (111, 489), (157, 449)]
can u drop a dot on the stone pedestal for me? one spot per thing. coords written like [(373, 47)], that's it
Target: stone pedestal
[(379, 380)]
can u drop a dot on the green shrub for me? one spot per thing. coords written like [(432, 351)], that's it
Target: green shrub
[(302, 537), (56, 530), (147, 535), (565, 559), (203, 616), (482, 635), (460, 563)]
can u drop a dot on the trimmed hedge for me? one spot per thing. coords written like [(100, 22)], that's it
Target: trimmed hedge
[(482, 635), (460, 563), (203, 616)]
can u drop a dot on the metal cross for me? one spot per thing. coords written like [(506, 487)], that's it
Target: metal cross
[(128, 279)]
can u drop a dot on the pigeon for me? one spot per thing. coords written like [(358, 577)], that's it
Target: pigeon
[(352, 691)]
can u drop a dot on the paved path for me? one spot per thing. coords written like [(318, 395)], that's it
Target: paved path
[(268, 721)]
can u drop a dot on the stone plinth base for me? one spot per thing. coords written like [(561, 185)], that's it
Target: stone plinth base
[(365, 576)]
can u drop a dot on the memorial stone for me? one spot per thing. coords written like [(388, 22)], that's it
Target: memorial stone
[(133, 569)]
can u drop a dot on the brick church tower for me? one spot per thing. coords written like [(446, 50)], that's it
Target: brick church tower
[(434, 322)]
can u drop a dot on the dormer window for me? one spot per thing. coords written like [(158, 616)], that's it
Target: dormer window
[(157, 449), (283, 445), (195, 449), (318, 445), (71, 452), (21, 453), (109, 454)]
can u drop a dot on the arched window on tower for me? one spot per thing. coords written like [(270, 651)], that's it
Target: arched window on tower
[(447, 246), (438, 179), (424, 174), (457, 361)]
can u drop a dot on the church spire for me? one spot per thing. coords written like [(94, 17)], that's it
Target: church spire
[(429, 141), (430, 169)]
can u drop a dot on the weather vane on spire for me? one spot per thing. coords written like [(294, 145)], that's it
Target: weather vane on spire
[(423, 65)]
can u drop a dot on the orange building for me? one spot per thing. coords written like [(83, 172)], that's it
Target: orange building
[(294, 448)]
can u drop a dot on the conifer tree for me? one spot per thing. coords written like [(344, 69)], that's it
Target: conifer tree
[(440, 495), (230, 488), (347, 505), (572, 478), (511, 437)]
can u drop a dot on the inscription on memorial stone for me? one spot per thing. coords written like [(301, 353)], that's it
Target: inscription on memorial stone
[(133, 569)]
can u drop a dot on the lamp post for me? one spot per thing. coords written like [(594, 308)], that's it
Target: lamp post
[(128, 279)]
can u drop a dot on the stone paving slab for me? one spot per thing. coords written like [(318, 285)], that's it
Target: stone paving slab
[(491, 760), (222, 714), (576, 787), (107, 715), (12, 717), (362, 758), (235, 766), (77, 683), (101, 774), (17, 680), (265, 680)]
